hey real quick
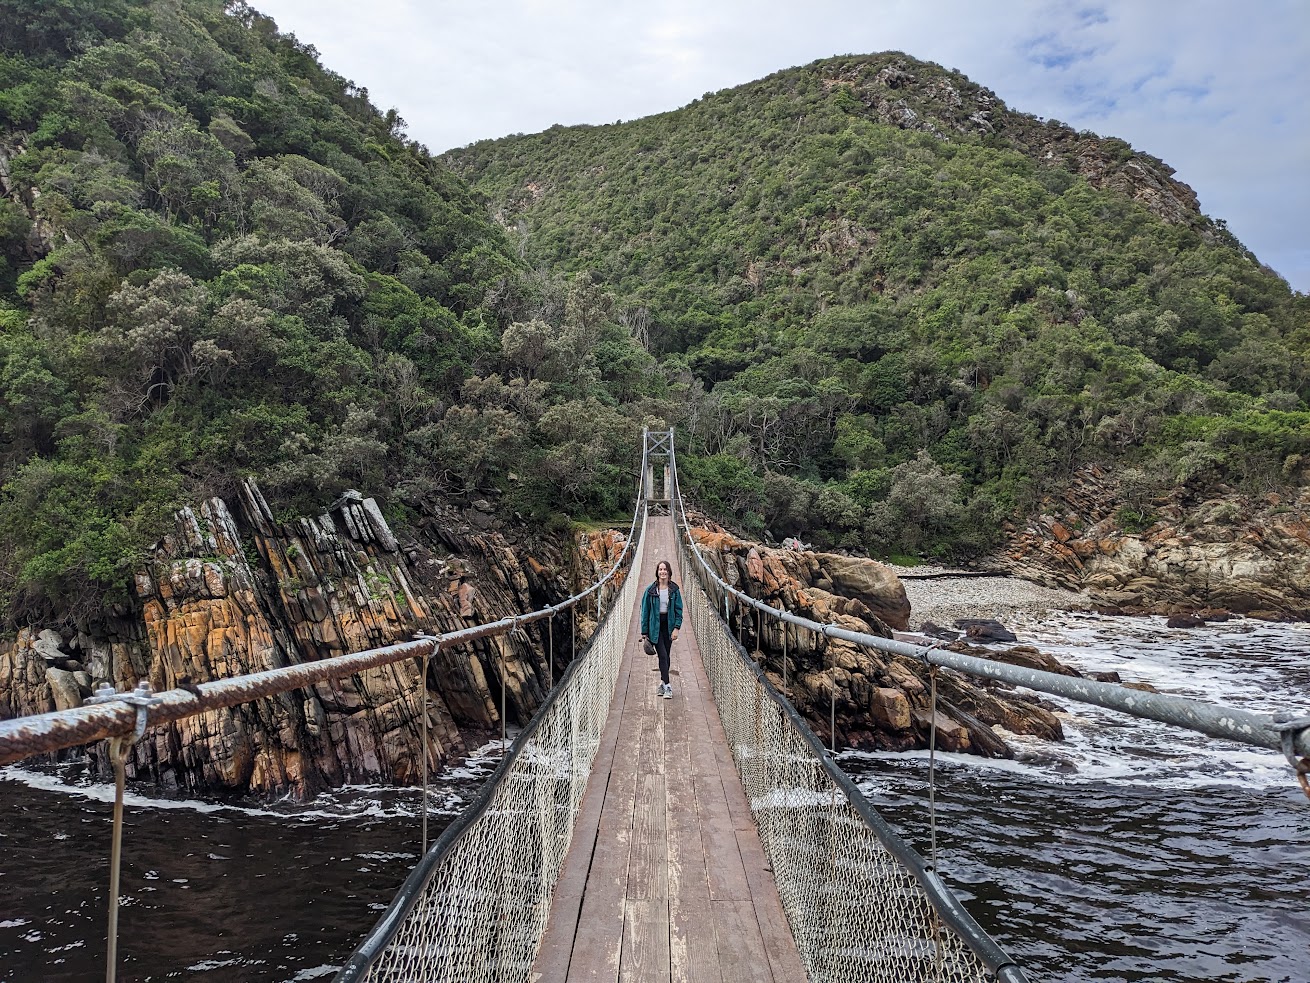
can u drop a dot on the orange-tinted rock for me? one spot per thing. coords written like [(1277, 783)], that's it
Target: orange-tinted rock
[(207, 608)]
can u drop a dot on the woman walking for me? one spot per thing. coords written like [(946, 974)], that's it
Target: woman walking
[(661, 617)]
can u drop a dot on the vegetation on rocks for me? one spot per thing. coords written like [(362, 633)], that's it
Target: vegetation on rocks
[(218, 260)]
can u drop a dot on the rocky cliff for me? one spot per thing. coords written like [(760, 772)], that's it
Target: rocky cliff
[(883, 701), (1230, 553), (235, 591)]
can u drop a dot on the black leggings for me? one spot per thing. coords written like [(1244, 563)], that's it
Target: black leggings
[(662, 647)]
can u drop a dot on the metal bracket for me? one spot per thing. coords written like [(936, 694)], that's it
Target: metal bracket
[(143, 698), (923, 654), (1289, 729)]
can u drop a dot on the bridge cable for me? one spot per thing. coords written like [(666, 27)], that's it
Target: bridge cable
[(423, 709), (143, 698)]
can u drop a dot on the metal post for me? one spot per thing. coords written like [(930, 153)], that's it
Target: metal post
[(117, 758), (423, 751), (785, 633), (550, 646), (932, 772), (832, 720), (832, 696), (932, 813), (504, 694)]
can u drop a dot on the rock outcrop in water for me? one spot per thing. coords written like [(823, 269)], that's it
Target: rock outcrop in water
[(882, 701), (1225, 554), (235, 591)]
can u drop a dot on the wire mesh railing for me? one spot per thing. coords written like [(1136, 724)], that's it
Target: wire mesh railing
[(862, 904), (475, 908)]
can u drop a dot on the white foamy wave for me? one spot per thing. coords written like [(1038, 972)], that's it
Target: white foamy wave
[(446, 794), (1250, 665), (314, 973)]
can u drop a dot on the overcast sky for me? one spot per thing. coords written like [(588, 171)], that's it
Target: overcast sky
[(1218, 89)]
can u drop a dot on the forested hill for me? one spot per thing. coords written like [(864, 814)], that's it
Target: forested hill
[(219, 260), (882, 310), (900, 312)]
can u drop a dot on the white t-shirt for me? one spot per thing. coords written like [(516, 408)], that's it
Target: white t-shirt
[(664, 600)]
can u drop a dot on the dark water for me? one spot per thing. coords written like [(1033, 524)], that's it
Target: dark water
[(209, 892), (1132, 852)]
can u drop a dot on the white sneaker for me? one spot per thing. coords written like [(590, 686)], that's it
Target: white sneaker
[(668, 691)]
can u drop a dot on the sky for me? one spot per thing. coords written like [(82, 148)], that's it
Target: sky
[(1218, 89)]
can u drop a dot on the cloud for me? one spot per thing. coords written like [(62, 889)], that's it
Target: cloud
[(1215, 89)]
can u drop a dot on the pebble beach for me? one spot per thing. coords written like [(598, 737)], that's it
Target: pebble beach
[(936, 596)]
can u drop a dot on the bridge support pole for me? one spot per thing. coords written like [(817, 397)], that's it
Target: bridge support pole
[(785, 688), (118, 758), (423, 751)]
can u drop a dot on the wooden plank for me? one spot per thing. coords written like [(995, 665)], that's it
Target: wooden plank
[(693, 950), (779, 945), (598, 940), (649, 868), (645, 941), (741, 945), (723, 867), (553, 957)]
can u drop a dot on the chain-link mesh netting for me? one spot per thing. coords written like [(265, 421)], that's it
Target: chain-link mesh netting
[(483, 910), (857, 912)]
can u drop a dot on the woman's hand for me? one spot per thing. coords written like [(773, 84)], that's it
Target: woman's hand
[(673, 637)]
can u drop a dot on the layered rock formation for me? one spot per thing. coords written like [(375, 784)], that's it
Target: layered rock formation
[(882, 701), (1226, 554), (234, 591)]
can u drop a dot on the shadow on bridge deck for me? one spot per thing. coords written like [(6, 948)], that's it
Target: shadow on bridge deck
[(666, 878)]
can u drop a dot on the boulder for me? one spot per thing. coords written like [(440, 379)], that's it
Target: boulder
[(890, 709), (985, 630), (63, 688)]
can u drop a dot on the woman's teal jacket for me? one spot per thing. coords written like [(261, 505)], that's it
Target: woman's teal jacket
[(650, 610)]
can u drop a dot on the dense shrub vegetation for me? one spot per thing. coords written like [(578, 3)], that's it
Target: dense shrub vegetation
[(218, 259), (898, 335)]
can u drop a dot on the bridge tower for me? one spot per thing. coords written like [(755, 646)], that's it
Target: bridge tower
[(656, 483)]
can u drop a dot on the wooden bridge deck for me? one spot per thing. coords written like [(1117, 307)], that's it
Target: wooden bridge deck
[(666, 879)]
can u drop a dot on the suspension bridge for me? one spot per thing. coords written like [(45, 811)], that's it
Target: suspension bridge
[(710, 837)]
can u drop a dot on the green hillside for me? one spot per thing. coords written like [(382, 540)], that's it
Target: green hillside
[(892, 312), (883, 310), (218, 259)]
